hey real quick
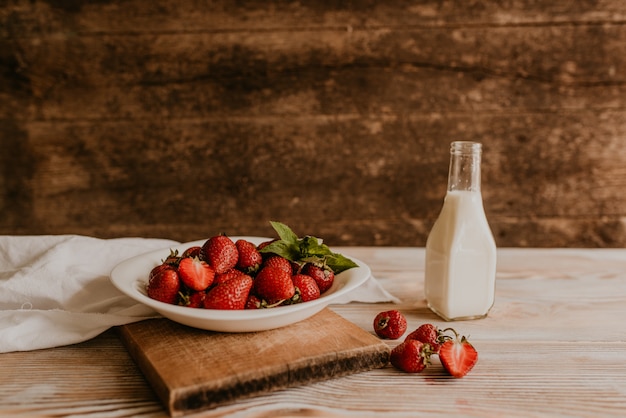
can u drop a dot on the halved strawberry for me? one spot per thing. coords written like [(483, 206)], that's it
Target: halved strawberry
[(457, 355), (232, 294), (220, 252), (196, 274), (274, 285)]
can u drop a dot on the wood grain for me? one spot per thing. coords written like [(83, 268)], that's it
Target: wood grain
[(553, 345), (194, 370), (147, 118)]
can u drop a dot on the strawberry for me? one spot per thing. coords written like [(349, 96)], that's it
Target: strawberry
[(249, 257), (220, 252), (265, 244), (227, 275), (457, 355), (274, 285), (172, 258), (427, 333), (197, 275), (192, 252), (158, 269), (306, 287), (410, 356), (324, 277), (390, 324), (232, 294), (254, 302), (278, 262), (163, 284), (193, 299)]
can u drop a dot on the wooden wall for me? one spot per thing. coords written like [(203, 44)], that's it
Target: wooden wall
[(182, 119)]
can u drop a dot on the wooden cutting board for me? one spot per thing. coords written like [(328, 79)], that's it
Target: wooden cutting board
[(193, 370)]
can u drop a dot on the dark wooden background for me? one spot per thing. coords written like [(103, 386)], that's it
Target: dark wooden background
[(183, 119)]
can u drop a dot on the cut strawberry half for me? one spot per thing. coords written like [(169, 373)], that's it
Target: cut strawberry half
[(457, 355), (196, 274)]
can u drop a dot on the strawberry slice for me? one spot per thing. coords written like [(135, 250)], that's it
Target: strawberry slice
[(457, 355), (196, 274), (232, 294)]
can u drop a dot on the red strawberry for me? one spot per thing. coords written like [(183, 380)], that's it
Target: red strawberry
[(163, 284), (265, 244), (173, 258), (158, 269), (324, 277), (411, 356), (457, 355), (249, 257), (307, 288), (427, 333), (390, 324), (227, 275), (232, 294), (220, 252), (253, 302), (197, 275), (192, 252), (278, 262), (274, 284), (193, 300)]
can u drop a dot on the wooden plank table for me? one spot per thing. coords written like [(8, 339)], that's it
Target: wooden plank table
[(553, 344)]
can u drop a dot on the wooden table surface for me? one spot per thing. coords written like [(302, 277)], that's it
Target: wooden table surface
[(553, 344)]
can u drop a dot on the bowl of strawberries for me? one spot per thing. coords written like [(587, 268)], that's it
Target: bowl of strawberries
[(240, 283)]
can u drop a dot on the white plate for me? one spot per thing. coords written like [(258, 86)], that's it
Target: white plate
[(131, 277)]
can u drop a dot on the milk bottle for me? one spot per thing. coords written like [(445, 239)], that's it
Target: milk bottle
[(460, 251)]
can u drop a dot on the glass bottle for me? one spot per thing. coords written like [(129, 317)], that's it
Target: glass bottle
[(460, 271)]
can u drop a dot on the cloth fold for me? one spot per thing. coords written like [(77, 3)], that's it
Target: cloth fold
[(55, 289)]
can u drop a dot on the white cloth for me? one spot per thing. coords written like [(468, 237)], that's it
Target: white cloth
[(369, 292), (55, 289)]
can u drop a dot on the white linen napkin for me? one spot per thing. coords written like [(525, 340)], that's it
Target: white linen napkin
[(55, 289)]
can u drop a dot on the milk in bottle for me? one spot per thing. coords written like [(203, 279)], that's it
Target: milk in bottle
[(460, 250)]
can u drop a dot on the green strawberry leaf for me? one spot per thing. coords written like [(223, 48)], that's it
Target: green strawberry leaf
[(283, 249), (339, 263), (312, 246), (306, 250), (285, 233)]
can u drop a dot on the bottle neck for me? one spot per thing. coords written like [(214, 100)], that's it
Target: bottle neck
[(465, 159)]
